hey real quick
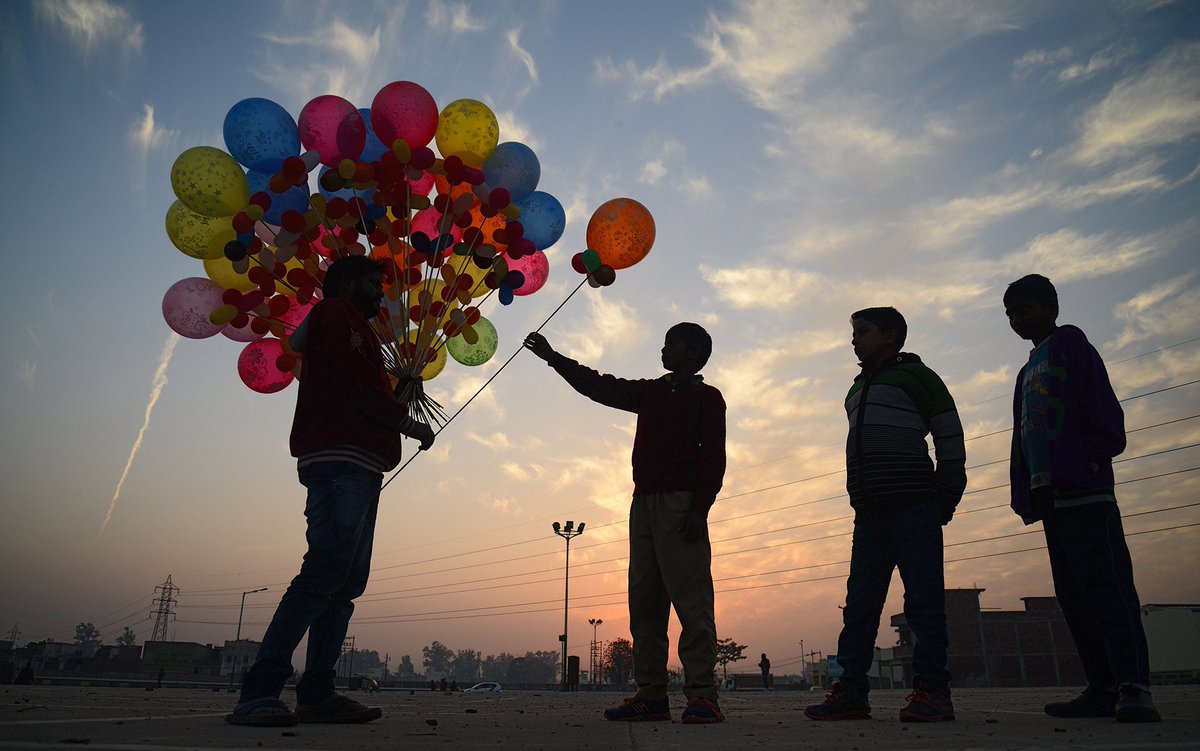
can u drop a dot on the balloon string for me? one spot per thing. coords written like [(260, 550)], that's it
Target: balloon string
[(487, 382)]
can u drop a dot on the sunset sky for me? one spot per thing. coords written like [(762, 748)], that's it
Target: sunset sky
[(802, 160)]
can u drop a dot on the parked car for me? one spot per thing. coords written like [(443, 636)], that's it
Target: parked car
[(487, 687)]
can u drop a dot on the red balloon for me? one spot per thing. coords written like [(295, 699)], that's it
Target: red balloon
[(403, 109)]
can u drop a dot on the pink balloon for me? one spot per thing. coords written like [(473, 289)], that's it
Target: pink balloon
[(256, 366), (333, 127), (432, 223), (425, 184), (187, 305), (403, 109), (535, 267), (244, 334)]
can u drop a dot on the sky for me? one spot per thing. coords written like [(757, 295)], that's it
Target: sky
[(802, 160)]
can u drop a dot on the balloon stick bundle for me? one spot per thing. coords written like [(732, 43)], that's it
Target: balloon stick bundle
[(452, 228)]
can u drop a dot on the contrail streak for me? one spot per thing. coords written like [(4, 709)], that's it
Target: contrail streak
[(160, 380)]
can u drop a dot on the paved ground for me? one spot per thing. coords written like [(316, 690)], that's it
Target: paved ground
[(39, 717)]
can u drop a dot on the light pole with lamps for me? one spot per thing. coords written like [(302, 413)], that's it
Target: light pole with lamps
[(238, 638), (597, 658), (566, 532)]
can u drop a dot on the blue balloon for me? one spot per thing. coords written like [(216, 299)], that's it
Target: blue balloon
[(261, 134), (514, 167), (543, 218), (374, 148), (345, 193), (506, 295), (294, 199)]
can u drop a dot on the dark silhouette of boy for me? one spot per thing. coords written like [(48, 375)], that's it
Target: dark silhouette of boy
[(901, 500), (1067, 427), (678, 469), (345, 435)]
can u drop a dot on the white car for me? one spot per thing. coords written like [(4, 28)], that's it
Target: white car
[(483, 688)]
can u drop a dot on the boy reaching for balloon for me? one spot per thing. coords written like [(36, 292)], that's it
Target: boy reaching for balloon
[(678, 468)]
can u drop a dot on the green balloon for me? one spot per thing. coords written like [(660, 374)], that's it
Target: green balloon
[(479, 352), (210, 182), (591, 260)]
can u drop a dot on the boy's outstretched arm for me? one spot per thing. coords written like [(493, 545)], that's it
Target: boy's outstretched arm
[(608, 390)]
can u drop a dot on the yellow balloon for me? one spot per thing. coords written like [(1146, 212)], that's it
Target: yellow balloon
[(467, 129), (210, 182), (197, 235), (220, 270), (433, 369)]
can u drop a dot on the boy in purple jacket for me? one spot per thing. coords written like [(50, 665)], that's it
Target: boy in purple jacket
[(1067, 427)]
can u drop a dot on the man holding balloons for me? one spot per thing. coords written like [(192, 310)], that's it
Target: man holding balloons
[(345, 435)]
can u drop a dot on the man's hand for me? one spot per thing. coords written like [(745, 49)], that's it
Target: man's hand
[(537, 344), (694, 526), (423, 433)]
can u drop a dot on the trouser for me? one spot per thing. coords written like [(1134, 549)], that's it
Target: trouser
[(910, 539), (666, 570), (342, 502), (1093, 580)]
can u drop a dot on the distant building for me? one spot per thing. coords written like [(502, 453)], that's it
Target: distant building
[(1030, 647), (1173, 632), (238, 656), (181, 658), (113, 659)]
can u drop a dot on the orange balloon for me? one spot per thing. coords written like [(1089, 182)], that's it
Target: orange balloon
[(621, 231)]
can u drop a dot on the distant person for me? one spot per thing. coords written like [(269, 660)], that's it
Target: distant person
[(432, 685), (1067, 427), (453, 686), (901, 500), (162, 673), (345, 434), (678, 468), (442, 685), (765, 666)]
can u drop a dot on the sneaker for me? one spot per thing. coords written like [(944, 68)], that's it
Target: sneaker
[(639, 710), (1135, 705), (838, 706), (1090, 703), (928, 704), (702, 711)]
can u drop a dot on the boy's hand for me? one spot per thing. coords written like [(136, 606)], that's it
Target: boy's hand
[(423, 433), (947, 514), (694, 526), (537, 344)]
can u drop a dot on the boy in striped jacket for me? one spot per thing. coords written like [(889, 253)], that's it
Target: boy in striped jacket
[(901, 499)]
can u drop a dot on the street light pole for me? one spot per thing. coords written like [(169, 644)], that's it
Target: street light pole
[(566, 532), (238, 638), (597, 659)]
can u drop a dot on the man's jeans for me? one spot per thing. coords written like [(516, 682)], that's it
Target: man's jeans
[(885, 539), (342, 501)]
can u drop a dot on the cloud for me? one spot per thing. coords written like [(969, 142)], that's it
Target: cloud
[(761, 286), (1068, 255), (145, 136), (454, 17), (1040, 59), (27, 371), (1102, 60), (1156, 107), (514, 44), (341, 62), (513, 129), (948, 222), (766, 47), (652, 172), (611, 324), (94, 23), (1168, 309)]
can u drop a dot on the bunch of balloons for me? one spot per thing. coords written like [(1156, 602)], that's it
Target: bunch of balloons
[(452, 226)]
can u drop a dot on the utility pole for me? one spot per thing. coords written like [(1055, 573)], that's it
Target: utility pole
[(14, 634), (164, 609), (803, 666), (566, 533)]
